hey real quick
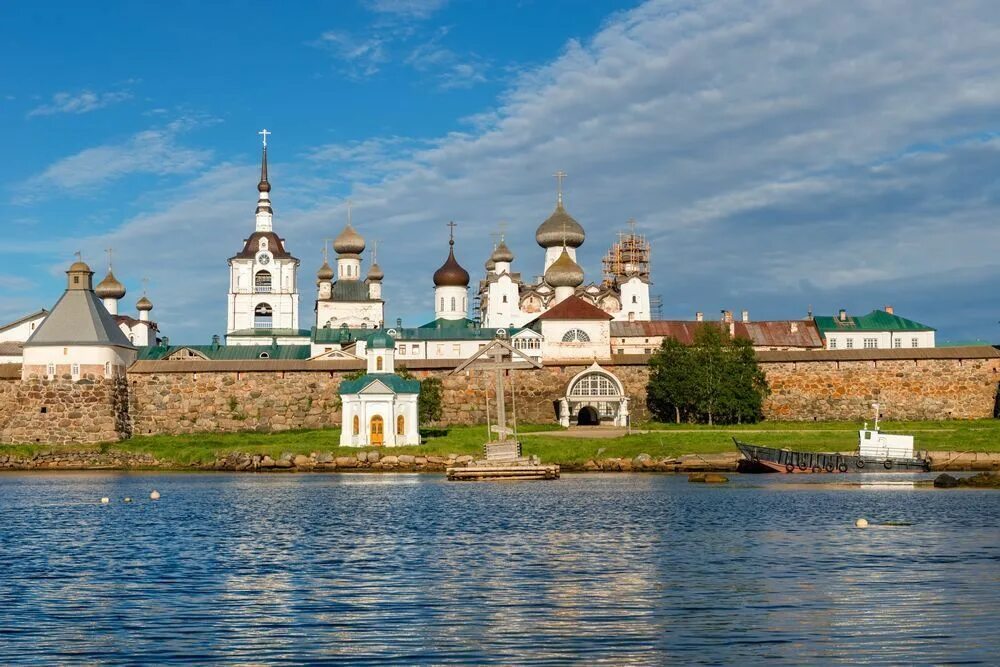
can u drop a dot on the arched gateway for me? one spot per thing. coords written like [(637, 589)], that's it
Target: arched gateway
[(594, 396)]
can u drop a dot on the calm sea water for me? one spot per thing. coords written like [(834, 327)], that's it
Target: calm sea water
[(643, 569)]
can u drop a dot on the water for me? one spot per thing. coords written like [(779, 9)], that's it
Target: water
[(615, 569)]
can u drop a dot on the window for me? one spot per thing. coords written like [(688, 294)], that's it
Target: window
[(648, 350), (262, 244), (871, 343), (621, 351), (400, 425), (453, 303), (505, 298), (576, 336), (456, 349), (833, 343), (357, 425), (75, 371), (415, 348), (897, 342), (262, 282), (107, 369), (402, 350), (262, 316), (442, 304), (914, 342), (594, 384), (51, 371), (635, 299), (378, 363), (850, 343), (265, 355)]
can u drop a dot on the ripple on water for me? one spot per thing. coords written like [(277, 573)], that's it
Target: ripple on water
[(410, 569)]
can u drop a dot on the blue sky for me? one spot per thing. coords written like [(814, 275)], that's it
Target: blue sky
[(779, 155)]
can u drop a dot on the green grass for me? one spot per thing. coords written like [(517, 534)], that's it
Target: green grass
[(658, 440)]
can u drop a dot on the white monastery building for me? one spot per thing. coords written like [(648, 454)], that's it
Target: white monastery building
[(380, 408), (263, 288)]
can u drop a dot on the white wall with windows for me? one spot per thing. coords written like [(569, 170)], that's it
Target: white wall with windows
[(576, 339), (878, 340)]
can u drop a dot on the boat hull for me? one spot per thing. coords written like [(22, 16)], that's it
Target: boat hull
[(771, 459)]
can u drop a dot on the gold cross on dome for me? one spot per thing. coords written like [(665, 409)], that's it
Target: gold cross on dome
[(264, 134)]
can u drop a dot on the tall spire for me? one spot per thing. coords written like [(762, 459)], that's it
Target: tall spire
[(264, 211)]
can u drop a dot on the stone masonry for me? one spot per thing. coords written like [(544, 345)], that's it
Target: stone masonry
[(62, 412)]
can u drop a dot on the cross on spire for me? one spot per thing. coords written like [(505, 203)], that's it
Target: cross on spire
[(495, 236), (108, 250), (326, 257), (79, 255), (451, 232), (502, 226), (145, 284), (264, 134), (560, 175), (374, 252), (350, 205)]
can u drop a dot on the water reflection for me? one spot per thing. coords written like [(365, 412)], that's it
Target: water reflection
[(410, 569)]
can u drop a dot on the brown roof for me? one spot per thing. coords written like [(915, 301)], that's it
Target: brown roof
[(574, 308), (11, 348), (761, 334), (275, 245)]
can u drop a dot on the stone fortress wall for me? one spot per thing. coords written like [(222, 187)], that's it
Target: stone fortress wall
[(62, 412), (200, 396)]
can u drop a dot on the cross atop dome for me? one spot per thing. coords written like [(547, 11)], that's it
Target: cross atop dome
[(264, 134), (560, 175)]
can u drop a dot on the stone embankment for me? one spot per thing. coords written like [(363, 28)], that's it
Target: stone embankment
[(375, 461)]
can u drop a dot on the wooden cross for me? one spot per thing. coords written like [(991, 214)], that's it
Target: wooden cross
[(560, 175), (264, 134)]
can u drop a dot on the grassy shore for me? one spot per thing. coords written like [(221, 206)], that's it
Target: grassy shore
[(554, 445)]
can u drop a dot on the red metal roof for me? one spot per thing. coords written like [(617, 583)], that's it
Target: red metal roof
[(761, 334), (574, 308)]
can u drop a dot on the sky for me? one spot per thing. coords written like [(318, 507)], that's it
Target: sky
[(778, 155)]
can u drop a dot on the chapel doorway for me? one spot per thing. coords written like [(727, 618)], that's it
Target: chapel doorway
[(377, 431), (588, 416)]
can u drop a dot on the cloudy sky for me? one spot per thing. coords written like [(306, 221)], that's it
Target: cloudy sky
[(779, 155)]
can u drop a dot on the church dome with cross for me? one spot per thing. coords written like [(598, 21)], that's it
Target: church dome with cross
[(560, 227)]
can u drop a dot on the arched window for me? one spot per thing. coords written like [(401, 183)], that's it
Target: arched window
[(576, 336), (262, 316), (357, 425), (453, 303), (594, 384), (262, 282), (378, 363), (400, 425), (635, 299), (442, 304), (262, 244), (265, 355), (505, 298)]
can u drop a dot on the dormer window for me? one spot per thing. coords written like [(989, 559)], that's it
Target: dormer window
[(263, 244)]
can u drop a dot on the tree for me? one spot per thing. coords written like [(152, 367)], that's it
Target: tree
[(429, 399), (669, 391), (714, 380)]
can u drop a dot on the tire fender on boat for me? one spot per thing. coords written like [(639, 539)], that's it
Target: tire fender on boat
[(789, 467), (842, 467), (860, 463), (888, 464)]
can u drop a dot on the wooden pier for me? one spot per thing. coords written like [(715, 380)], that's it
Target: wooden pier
[(502, 458)]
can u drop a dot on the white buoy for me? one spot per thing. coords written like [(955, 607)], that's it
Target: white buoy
[(861, 523), (128, 499), (105, 500), (155, 495)]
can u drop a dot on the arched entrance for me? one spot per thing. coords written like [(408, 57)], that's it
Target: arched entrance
[(594, 396), (588, 416), (377, 431)]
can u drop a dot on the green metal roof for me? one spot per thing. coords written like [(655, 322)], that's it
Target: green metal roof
[(229, 352), (380, 340), (269, 333), (877, 320), (391, 380), (439, 329), (350, 290)]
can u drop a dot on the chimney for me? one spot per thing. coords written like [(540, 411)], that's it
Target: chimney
[(794, 327), (399, 322), (809, 313), (746, 315), (842, 316), (215, 342), (727, 316), (699, 316), (889, 310)]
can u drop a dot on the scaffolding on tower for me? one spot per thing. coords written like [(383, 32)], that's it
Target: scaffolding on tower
[(628, 256)]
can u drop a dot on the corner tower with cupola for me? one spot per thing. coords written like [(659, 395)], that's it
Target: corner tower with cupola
[(263, 287)]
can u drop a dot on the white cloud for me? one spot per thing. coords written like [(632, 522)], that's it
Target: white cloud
[(419, 9), (78, 103), (361, 56), (154, 151)]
